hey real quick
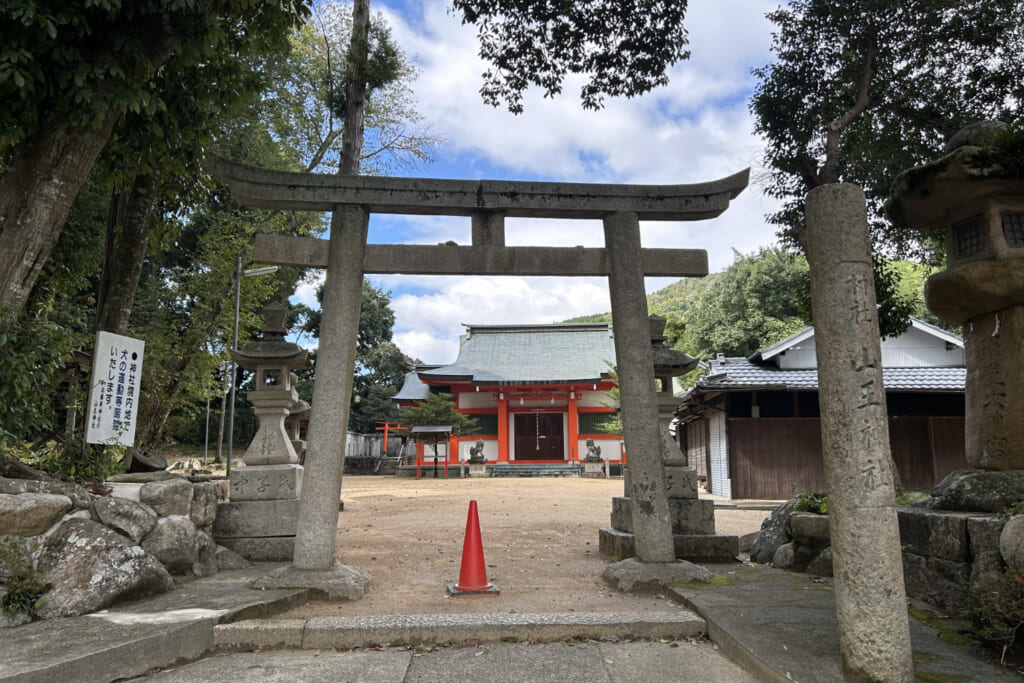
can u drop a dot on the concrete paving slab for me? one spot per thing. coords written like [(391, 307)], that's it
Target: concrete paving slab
[(781, 626), (575, 662), (675, 661), (292, 666), (511, 662), (355, 632)]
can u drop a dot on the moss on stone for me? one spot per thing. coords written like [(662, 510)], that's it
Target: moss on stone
[(716, 580), (946, 634)]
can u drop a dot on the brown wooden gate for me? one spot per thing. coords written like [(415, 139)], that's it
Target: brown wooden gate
[(777, 458)]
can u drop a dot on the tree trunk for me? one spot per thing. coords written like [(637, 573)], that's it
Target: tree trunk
[(355, 96), (37, 190), (129, 226)]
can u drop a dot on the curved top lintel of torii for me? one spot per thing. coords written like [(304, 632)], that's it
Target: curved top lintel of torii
[(431, 196)]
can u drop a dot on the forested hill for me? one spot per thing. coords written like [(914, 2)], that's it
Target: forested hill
[(669, 302)]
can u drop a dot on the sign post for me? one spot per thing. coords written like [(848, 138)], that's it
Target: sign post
[(114, 390)]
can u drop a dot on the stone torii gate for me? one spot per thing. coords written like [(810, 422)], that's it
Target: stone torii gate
[(347, 257)]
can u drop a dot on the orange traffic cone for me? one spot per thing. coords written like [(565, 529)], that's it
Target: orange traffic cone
[(473, 574)]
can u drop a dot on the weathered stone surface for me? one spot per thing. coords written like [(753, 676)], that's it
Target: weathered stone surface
[(680, 482), (168, 497), (132, 519), (773, 534), (935, 533), (632, 574), (80, 498), (652, 528), (822, 564), (983, 533), (207, 562), (615, 544), (340, 582), (978, 490), (144, 477), (706, 547), (203, 511), (262, 549), (175, 542), (746, 540), (691, 516), (622, 514), (994, 390), (1011, 542), (268, 482), (29, 514), (229, 559), (870, 597), (90, 566), (942, 583), (784, 556), (808, 528), (259, 518)]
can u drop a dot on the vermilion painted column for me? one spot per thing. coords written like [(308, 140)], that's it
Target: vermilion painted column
[(503, 430), (574, 429)]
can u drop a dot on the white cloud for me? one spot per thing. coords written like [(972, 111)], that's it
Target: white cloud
[(696, 129)]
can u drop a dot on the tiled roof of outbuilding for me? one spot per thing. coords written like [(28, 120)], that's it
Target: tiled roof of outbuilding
[(734, 374)]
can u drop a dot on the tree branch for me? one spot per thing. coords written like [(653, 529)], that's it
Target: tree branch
[(835, 128)]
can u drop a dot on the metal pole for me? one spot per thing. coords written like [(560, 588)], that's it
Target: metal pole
[(206, 439), (234, 347)]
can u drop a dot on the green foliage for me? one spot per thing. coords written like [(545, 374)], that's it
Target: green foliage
[(1006, 151), (756, 302), (437, 409), (863, 90), (75, 461), (23, 586), (812, 502), (622, 47), (996, 605), (380, 365)]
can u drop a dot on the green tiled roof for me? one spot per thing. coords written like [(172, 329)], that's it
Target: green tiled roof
[(530, 354)]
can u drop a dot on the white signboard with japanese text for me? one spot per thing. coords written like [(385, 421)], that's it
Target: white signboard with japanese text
[(114, 390)]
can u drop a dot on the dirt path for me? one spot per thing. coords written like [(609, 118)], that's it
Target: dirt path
[(539, 538)]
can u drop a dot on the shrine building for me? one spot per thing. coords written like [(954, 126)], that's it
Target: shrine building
[(538, 394)]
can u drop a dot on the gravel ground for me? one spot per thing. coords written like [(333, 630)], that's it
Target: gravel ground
[(539, 535)]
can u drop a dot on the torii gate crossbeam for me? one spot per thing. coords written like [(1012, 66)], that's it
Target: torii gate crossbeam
[(347, 257)]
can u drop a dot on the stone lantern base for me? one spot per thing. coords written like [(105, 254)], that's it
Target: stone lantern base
[(693, 522), (260, 521)]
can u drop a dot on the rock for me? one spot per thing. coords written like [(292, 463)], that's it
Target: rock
[(89, 566), (808, 528), (147, 462), (168, 497), (822, 564), (632, 574), (229, 559), (30, 514), (144, 477), (772, 535), (978, 490), (341, 582), (1011, 542), (206, 561), (175, 542), (132, 519), (12, 620), (975, 134), (203, 511), (746, 540), (784, 556), (80, 498)]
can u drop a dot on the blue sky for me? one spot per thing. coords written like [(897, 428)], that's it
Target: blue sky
[(693, 130)]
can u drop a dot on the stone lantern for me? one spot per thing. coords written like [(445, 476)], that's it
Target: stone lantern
[(261, 518), (693, 520), (982, 288)]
